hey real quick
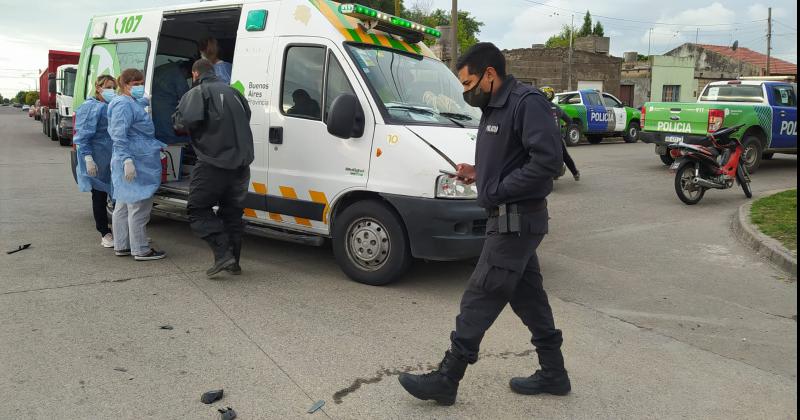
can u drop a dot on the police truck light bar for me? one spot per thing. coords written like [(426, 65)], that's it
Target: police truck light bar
[(387, 22)]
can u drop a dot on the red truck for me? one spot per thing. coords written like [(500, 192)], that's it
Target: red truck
[(56, 89)]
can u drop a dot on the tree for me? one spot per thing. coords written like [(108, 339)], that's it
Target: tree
[(31, 97), (20, 98), (561, 40), (586, 28), (468, 26), (598, 29)]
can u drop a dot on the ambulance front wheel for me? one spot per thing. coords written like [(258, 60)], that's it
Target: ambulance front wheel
[(370, 243)]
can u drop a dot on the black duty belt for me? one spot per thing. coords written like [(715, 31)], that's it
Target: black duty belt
[(522, 207)]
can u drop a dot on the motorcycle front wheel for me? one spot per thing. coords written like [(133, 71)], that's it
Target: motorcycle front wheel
[(687, 191), (744, 181)]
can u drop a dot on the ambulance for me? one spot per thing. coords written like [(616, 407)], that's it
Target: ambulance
[(358, 162)]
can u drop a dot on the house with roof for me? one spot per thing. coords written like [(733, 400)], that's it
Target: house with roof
[(719, 62)]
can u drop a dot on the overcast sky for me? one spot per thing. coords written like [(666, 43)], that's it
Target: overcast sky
[(28, 29)]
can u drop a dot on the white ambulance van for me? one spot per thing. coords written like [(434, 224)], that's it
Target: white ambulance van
[(358, 161)]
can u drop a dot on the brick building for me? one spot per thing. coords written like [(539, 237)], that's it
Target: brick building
[(541, 66)]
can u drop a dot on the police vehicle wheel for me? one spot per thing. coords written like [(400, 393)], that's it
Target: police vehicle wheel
[(666, 159), (632, 133), (594, 139), (573, 136), (370, 244), (767, 156), (752, 153)]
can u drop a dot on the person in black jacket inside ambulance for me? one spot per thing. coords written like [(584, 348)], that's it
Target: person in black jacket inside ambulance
[(218, 119)]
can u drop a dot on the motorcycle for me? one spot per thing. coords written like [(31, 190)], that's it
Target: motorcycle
[(715, 163)]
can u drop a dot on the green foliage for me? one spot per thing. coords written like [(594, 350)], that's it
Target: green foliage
[(468, 26), (561, 40), (31, 97), (598, 29), (586, 28), (20, 97)]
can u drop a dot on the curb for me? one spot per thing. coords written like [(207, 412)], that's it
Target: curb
[(764, 245)]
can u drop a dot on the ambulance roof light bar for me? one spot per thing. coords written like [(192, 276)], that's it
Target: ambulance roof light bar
[(392, 24)]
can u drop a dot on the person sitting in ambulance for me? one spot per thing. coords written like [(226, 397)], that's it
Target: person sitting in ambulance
[(93, 146), (304, 105), (169, 86), (135, 167), (209, 49)]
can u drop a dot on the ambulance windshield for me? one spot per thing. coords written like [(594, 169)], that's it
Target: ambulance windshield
[(414, 90)]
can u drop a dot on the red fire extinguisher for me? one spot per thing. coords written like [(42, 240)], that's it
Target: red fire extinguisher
[(163, 167)]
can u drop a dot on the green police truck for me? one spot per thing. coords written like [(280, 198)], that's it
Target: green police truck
[(598, 115), (768, 110)]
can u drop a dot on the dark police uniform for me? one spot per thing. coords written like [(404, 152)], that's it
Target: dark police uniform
[(518, 153)]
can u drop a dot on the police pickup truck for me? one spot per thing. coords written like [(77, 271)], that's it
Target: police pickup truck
[(768, 110), (598, 115)]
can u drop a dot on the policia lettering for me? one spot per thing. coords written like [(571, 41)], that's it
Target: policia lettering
[(517, 156)]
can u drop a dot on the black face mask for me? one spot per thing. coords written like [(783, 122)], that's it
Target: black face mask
[(478, 98)]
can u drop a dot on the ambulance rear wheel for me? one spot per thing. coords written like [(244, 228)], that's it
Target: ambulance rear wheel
[(370, 243)]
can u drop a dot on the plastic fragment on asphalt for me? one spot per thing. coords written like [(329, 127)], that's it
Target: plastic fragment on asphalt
[(211, 396), (227, 413), (166, 327), (20, 248), (317, 405)]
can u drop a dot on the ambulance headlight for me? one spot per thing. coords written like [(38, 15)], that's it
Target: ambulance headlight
[(452, 188)]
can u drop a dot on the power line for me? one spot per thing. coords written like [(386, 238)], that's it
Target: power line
[(647, 22), (781, 23)]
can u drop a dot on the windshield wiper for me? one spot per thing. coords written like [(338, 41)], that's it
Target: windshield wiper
[(456, 116), (450, 117)]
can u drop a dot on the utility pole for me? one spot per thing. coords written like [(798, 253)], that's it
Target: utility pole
[(649, 41), (454, 36), (697, 37), (569, 64), (769, 40), (397, 7)]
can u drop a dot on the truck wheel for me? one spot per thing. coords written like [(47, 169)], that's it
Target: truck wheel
[(370, 244), (752, 153), (594, 139), (64, 141), (573, 136), (688, 192), (53, 131), (632, 133), (667, 159)]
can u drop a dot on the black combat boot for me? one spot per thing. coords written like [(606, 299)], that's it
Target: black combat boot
[(441, 385), (552, 378), (236, 251), (223, 258)]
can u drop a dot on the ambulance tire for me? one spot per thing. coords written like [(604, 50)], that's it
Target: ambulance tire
[(370, 243)]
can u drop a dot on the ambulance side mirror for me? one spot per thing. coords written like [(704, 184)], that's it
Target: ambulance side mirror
[(346, 117)]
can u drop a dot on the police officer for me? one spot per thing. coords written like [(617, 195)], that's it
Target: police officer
[(550, 94), (517, 155)]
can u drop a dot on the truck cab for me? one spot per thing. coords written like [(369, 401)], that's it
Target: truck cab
[(58, 87), (598, 115), (766, 108), (353, 117)]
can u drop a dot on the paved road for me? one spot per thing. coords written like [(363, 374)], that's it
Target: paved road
[(664, 314)]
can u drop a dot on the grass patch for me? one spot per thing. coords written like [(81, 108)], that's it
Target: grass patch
[(776, 216)]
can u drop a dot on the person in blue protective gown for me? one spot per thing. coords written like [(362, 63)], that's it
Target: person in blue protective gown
[(135, 167), (93, 147), (170, 83), (209, 49)]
